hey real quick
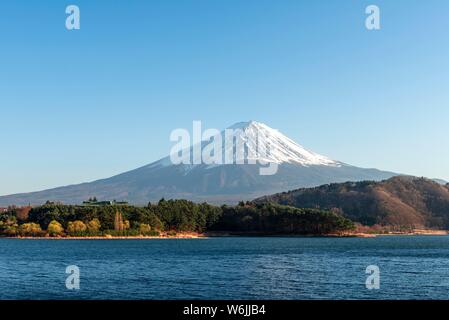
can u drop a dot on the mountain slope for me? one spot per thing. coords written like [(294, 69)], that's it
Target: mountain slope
[(215, 182), (399, 201)]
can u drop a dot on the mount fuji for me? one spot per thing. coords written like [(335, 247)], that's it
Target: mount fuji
[(220, 183)]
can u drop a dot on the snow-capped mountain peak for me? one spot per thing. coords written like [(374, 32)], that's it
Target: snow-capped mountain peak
[(250, 142), (279, 148)]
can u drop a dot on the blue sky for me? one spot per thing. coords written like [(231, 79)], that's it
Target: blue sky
[(80, 105)]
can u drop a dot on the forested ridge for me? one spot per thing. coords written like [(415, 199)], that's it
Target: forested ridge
[(169, 216), (401, 202)]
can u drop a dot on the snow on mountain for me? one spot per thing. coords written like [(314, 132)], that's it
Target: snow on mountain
[(260, 144), (281, 149)]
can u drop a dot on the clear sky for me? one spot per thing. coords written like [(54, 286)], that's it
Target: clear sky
[(80, 105)]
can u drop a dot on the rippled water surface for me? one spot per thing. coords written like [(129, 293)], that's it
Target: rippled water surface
[(227, 268)]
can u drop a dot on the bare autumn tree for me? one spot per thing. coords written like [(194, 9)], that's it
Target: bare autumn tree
[(121, 227), (22, 213), (118, 222)]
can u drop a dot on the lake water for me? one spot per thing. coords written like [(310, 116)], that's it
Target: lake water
[(411, 267)]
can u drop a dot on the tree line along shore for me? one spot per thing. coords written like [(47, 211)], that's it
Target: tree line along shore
[(168, 218)]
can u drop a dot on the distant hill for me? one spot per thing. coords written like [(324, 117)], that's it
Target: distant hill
[(398, 201)]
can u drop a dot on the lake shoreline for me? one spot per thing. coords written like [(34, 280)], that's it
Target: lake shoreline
[(207, 235)]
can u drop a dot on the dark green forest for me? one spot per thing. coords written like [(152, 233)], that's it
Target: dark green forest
[(170, 217)]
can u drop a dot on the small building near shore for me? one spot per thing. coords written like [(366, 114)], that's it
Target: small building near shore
[(96, 203)]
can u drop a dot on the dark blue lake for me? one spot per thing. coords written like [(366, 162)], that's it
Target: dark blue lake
[(411, 267)]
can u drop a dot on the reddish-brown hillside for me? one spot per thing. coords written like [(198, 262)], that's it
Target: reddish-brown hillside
[(399, 201)]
